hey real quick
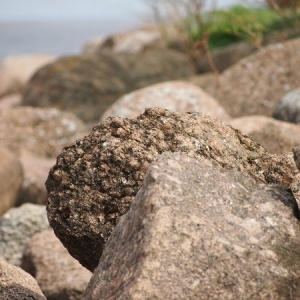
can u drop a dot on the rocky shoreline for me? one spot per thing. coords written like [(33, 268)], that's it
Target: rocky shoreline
[(161, 183)]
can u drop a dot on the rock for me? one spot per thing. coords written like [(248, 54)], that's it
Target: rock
[(11, 177), (58, 274), (195, 232), (36, 170), (275, 136), (288, 108), (39, 131), (17, 226), (95, 180), (178, 96), (256, 83), (15, 71), (10, 101), (295, 185), (84, 86), (16, 284)]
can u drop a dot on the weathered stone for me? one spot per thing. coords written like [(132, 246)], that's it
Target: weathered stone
[(16, 228), (275, 136), (256, 83), (95, 180), (84, 86), (195, 232), (39, 131), (178, 96), (288, 108), (16, 284), (11, 177), (58, 274), (10, 101)]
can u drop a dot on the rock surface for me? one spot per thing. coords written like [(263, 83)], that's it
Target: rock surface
[(10, 101), (195, 232), (275, 136), (256, 83), (58, 274), (39, 131), (11, 178), (95, 180), (16, 284), (288, 108), (178, 96), (17, 226)]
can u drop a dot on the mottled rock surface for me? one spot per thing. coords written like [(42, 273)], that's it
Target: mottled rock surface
[(11, 178), (195, 232), (95, 180), (288, 108), (16, 284), (17, 226), (178, 96), (275, 136), (39, 131), (256, 83), (58, 274)]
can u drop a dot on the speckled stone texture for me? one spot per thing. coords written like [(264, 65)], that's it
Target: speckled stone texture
[(198, 232), (95, 180)]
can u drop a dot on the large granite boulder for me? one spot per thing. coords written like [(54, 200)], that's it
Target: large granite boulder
[(16, 228), (95, 179), (16, 284), (58, 274), (198, 232), (288, 108), (11, 178), (276, 136), (178, 96), (256, 83)]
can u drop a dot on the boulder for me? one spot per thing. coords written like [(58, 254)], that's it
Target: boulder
[(11, 177), (288, 108), (39, 131), (275, 136), (84, 86), (17, 226), (197, 232), (95, 179), (58, 274), (178, 96), (16, 284), (10, 101), (15, 71), (256, 83)]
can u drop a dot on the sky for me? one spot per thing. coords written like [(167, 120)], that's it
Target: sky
[(70, 10)]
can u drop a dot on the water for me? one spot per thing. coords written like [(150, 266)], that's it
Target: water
[(58, 38)]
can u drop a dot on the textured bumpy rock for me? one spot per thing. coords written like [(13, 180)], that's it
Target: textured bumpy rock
[(95, 180), (256, 83), (16, 284), (275, 136), (178, 96), (195, 232), (288, 108), (58, 274), (39, 131), (11, 177), (16, 228)]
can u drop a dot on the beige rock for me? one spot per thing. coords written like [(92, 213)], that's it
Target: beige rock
[(198, 232), (11, 177), (178, 96), (10, 101), (16, 284), (58, 274), (276, 136), (15, 71)]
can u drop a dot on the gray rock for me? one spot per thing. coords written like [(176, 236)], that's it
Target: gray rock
[(16, 284), (95, 180), (17, 226), (195, 232), (288, 108), (58, 274)]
